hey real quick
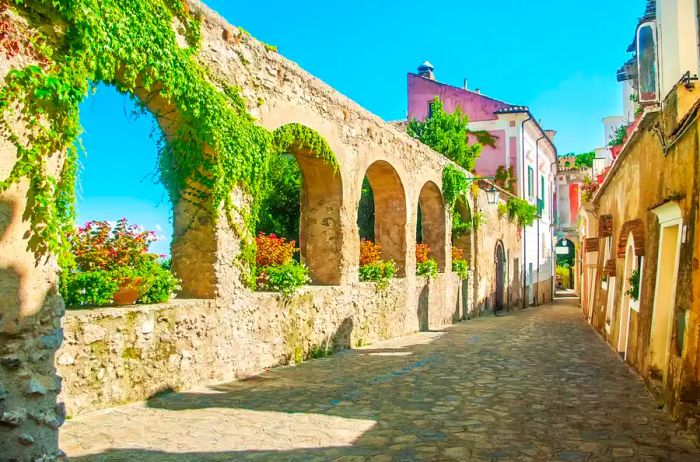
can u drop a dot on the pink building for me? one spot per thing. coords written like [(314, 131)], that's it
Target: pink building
[(522, 148)]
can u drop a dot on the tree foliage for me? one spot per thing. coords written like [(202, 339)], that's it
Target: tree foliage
[(585, 160), (447, 134)]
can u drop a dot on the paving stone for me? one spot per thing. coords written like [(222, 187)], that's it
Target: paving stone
[(538, 385)]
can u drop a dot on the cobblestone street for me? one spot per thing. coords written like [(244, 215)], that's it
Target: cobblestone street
[(532, 386)]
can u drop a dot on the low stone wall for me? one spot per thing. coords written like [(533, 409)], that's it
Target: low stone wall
[(113, 356)]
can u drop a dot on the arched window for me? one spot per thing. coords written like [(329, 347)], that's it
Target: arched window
[(431, 223)]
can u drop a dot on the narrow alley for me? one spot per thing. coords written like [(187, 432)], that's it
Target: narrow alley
[(538, 384)]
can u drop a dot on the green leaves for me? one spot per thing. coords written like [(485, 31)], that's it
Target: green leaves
[(447, 134), (518, 211)]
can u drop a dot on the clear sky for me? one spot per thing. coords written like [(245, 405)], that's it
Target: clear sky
[(558, 57)]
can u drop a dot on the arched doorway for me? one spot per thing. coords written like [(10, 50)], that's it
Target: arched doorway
[(500, 265), (629, 293), (566, 258)]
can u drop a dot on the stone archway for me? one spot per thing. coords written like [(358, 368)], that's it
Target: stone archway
[(432, 223), (464, 239), (389, 212), (500, 264), (320, 236)]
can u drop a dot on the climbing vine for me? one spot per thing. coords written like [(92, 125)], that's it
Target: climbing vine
[(455, 184), (518, 211), (146, 49)]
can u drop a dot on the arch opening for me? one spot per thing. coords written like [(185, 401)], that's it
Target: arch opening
[(500, 265), (302, 201), (382, 213), (462, 235), (430, 223)]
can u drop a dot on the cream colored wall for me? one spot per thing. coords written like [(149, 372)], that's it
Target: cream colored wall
[(677, 24)]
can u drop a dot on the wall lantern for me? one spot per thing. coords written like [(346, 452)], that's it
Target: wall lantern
[(492, 195)]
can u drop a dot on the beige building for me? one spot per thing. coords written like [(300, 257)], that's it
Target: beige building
[(640, 276)]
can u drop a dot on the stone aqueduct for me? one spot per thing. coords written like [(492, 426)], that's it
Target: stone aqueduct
[(218, 330)]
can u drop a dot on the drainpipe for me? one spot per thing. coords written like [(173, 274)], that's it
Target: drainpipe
[(537, 195), (523, 182)]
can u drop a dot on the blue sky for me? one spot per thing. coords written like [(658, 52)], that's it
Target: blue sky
[(558, 57)]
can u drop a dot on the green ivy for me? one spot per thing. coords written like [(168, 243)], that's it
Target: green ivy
[(518, 211), (215, 147), (297, 138), (455, 185)]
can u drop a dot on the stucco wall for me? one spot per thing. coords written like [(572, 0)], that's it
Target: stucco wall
[(643, 178)]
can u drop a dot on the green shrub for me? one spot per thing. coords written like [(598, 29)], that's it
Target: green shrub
[(461, 267), (286, 278), (427, 268), (90, 288), (379, 272), (161, 284), (633, 291)]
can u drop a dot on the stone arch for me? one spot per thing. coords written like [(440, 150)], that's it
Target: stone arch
[(320, 235), (390, 212), (433, 230), (463, 241)]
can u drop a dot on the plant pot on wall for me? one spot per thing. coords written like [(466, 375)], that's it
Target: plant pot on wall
[(130, 289)]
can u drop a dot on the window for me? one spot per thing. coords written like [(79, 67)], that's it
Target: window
[(430, 108), (530, 182)]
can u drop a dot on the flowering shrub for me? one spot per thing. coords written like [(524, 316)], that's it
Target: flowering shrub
[(380, 272), (459, 264), (370, 252), (425, 266), (273, 250), (372, 267), (106, 256), (285, 278), (422, 253), (276, 268)]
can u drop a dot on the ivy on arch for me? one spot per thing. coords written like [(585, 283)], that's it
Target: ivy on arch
[(211, 146)]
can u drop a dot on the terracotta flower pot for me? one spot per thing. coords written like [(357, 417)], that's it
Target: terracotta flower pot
[(130, 289)]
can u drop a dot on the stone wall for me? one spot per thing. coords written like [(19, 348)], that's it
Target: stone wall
[(113, 356)]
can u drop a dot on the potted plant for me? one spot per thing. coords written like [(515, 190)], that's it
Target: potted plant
[(111, 264)]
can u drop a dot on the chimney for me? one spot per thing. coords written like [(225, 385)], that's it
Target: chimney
[(426, 70), (465, 84), (477, 91), (551, 134)]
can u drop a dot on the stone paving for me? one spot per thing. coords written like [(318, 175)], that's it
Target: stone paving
[(537, 385)]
